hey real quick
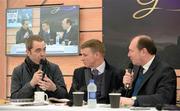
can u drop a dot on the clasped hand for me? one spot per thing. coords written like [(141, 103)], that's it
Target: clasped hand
[(46, 84)]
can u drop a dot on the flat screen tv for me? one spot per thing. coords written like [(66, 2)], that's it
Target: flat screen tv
[(58, 25)]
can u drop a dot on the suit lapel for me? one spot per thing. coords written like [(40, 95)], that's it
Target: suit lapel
[(107, 79), (88, 75), (149, 73)]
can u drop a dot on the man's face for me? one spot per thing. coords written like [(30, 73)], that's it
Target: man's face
[(65, 24), (26, 25), (134, 53), (45, 27), (88, 57), (37, 52)]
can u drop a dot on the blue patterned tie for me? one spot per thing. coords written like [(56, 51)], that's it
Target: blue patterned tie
[(65, 34), (138, 82)]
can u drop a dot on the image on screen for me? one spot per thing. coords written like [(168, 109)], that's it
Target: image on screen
[(58, 25), (15, 17)]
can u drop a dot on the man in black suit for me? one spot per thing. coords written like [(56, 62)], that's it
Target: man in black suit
[(152, 82), (108, 78), (48, 35), (70, 34), (24, 32)]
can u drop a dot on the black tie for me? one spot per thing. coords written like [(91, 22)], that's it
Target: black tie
[(141, 70), (95, 73)]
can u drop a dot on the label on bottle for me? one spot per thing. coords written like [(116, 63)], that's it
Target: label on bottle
[(57, 40), (92, 95)]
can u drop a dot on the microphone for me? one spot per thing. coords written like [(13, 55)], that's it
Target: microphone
[(40, 67), (42, 62), (130, 69)]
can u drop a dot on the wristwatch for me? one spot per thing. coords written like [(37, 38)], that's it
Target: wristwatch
[(134, 100)]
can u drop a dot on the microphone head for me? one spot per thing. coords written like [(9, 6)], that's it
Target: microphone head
[(41, 65), (42, 61), (130, 67)]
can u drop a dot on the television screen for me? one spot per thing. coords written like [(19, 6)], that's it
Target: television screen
[(58, 25)]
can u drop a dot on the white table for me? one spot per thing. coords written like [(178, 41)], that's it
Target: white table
[(54, 107)]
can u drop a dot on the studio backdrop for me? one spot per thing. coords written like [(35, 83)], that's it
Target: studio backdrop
[(124, 19)]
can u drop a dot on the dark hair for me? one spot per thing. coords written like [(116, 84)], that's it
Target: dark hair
[(68, 20), (45, 22), (146, 42), (95, 45), (23, 21), (31, 39)]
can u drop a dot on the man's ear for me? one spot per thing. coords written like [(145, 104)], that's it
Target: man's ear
[(144, 51), (97, 54), (27, 51)]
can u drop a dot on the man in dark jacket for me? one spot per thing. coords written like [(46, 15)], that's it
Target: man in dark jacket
[(48, 35), (108, 79), (152, 82), (70, 34), (24, 32), (36, 73)]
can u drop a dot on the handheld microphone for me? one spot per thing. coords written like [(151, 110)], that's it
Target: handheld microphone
[(40, 67), (42, 62), (130, 69)]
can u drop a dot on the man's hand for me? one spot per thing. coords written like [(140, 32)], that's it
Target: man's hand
[(126, 101), (128, 79), (26, 35), (36, 78), (47, 84)]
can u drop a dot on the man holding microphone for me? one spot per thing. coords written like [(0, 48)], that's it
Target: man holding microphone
[(33, 75), (152, 81)]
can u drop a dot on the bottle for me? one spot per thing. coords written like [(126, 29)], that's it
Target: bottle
[(57, 38), (92, 94)]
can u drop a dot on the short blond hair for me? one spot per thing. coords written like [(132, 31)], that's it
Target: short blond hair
[(95, 45)]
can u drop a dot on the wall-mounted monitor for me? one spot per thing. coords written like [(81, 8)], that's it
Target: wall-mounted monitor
[(58, 25)]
